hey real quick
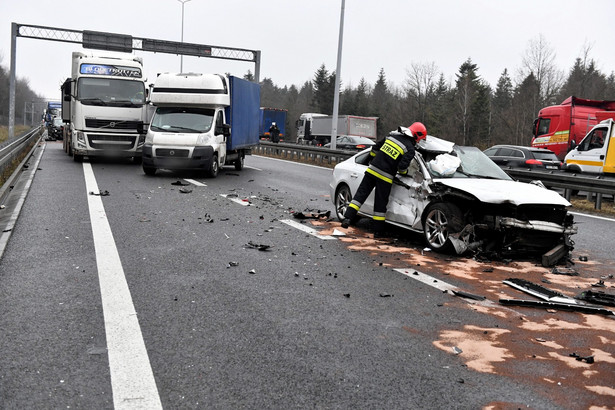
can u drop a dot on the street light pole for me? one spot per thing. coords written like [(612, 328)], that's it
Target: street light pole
[(336, 96), (181, 58)]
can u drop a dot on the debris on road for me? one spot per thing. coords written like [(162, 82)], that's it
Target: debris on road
[(557, 305), (564, 271), (179, 182), (252, 272), (467, 295), (312, 215), (258, 246), (100, 193), (232, 264), (538, 291), (586, 359), (386, 295), (599, 298), (185, 190)]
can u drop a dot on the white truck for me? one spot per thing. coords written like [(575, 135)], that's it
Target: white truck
[(201, 122), (316, 129), (104, 104), (596, 151)]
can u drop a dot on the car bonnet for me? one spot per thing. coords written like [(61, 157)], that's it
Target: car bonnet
[(495, 191)]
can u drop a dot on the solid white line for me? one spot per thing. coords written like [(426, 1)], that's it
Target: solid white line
[(306, 229), (594, 216), (132, 379), (194, 182)]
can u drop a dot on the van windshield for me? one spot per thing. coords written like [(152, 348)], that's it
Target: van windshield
[(189, 120)]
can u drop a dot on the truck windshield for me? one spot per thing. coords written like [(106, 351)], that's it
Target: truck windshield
[(110, 91), (190, 120)]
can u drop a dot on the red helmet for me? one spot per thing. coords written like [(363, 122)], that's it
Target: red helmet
[(418, 131)]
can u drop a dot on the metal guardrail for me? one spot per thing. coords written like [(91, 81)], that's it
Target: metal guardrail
[(12, 149), (592, 184), (303, 153)]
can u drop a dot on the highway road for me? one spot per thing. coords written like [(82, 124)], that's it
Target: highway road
[(218, 297)]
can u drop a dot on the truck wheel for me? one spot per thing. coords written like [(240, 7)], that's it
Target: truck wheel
[(441, 220), (151, 171), (77, 158), (239, 163), (212, 172)]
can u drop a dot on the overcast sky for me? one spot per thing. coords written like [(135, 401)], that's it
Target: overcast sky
[(297, 36)]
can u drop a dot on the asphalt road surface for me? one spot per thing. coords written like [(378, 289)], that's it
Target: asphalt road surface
[(218, 297)]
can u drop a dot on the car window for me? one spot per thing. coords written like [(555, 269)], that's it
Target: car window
[(545, 155), (505, 152), (362, 158), (491, 152), (475, 164), (516, 153)]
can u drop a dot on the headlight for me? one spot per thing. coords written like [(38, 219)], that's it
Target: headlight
[(80, 136), (203, 139), (149, 138)]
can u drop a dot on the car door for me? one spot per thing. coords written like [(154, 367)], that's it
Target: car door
[(408, 197), (591, 152)]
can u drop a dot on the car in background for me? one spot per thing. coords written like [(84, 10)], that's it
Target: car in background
[(462, 201), (352, 143), (55, 129), (516, 156)]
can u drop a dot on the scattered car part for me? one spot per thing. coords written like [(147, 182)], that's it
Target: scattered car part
[(599, 298), (564, 271), (587, 359), (557, 305), (467, 295), (539, 291)]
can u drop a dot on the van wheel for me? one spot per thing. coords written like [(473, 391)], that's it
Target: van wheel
[(151, 171), (212, 172), (239, 163)]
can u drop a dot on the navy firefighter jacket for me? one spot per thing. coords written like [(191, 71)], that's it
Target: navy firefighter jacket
[(391, 155)]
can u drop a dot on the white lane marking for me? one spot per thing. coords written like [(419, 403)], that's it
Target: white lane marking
[(236, 200), (194, 182), (306, 229), (257, 169), (442, 286), (132, 378), (594, 216)]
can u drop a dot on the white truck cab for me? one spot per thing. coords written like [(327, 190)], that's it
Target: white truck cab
[(596, 152), (188, 129)]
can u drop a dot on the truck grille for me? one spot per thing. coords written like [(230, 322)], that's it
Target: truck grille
[(174, 153), (112, 142), (111, 124)]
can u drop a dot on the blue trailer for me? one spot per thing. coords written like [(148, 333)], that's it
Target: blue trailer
[(269, 116)]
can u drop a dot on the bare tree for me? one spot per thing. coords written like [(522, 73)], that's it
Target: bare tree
[(421, 79), (539, 60)]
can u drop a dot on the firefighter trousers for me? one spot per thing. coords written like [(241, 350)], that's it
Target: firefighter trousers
[(381, 200)]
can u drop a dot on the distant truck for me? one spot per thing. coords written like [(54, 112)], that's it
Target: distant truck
[(596, 152), (316, 129), (201, 122), (560, 128), (103, 103), (54, 109), (269, 116)]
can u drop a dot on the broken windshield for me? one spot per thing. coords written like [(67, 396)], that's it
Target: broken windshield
[(474, 164)]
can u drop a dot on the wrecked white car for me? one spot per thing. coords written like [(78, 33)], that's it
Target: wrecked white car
[(461, 200)]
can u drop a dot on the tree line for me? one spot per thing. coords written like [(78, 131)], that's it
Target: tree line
[(468, 111), (24, 98)]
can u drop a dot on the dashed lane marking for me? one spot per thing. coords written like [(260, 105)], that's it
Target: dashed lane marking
[(306, 229), (194, 182), (236, 200), (132, 378)]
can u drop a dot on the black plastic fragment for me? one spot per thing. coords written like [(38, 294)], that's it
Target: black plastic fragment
[(467, 295), (599, 298)]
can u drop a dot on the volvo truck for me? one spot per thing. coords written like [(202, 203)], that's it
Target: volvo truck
[(104, 106)]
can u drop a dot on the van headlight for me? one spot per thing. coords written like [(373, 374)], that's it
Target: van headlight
[(203, 139), (149, 138)]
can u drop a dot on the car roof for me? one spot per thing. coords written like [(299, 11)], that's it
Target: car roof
[(521, 147)]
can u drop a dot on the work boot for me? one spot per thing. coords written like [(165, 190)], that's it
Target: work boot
[(346, 223)]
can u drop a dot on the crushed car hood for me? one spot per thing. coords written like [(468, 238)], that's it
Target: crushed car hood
[(497, 191)]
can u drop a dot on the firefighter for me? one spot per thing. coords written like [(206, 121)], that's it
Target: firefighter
[(274, 133), (388, 157)]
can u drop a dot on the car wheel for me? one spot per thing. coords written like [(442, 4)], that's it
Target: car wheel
[(151, 171), (212, 172), (343, 196), (239, 163), (441, 220)]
